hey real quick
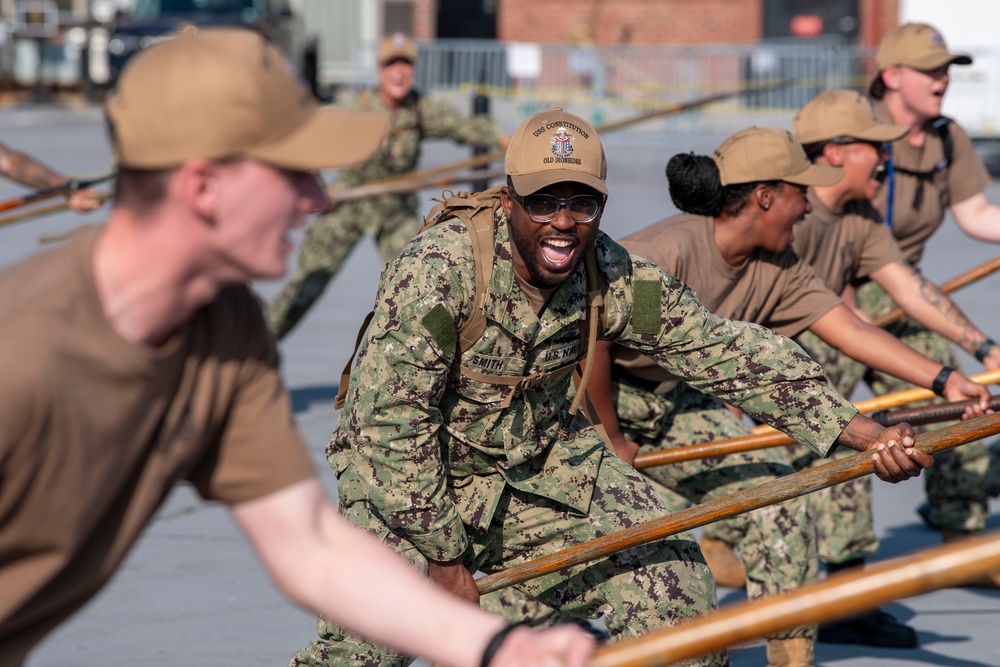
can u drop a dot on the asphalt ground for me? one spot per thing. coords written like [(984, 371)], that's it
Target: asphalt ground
[(193, 593)]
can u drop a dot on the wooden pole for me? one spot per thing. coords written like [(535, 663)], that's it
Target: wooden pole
[(415, 180), (48, 193), (351, 194), (43, 210), (673, 109), (375, 189), (930, 414), (839, 596), (768, 493), (952, 285), (884, 402)]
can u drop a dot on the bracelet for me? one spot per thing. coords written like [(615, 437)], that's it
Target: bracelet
[(984, 349), (493, 645), (938, 385)]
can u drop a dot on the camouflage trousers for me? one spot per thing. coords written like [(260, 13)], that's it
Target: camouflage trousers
[(777, 543), (956, 485), (636, 591), (329, 240), (843, 513)]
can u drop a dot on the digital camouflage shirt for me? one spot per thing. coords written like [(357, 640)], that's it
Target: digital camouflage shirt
[(432, 451), (418, 118)]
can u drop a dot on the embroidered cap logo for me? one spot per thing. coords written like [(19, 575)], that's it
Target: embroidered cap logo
[(562, 143)]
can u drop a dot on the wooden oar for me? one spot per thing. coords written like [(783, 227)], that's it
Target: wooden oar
[(767, 436), (48, 193), (768, 493), (486, 158), (338, 195), (896, 399), (43, 210), (839, 596), (952, 285), (930, 414), (416, 180)]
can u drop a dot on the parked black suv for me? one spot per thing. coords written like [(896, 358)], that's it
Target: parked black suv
[(152, 20)]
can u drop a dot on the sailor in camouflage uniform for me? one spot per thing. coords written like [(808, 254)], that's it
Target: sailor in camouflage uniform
[(455, 458), (392, 219)]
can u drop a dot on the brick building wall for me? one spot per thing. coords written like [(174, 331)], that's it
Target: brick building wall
[(632, 21), (645, 21)]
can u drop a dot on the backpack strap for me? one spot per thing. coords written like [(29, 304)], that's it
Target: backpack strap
[(940, 127), (596, 320), (345, 375), (478, 214), (470, 210)]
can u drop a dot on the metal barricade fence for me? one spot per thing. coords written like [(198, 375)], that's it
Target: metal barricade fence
[(612, 83)]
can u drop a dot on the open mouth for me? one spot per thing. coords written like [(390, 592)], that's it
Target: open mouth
[(558, 252)]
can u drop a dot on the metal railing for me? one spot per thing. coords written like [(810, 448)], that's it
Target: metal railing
[(612, 82)]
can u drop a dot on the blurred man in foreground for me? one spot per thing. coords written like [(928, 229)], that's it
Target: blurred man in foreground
[(135, 357)]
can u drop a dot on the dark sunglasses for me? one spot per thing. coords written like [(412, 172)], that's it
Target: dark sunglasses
[(543, 208)]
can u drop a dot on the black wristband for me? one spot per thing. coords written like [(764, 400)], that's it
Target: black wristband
[(493, 645), (984, 349), (938, 385)]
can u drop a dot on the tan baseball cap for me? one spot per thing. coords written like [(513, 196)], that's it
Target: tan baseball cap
[(395, 47), (554, 147), (768, 154), (228, 92), (916, 45), (842, 113)]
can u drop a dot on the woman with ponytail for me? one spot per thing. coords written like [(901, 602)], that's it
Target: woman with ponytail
[(732, 247)]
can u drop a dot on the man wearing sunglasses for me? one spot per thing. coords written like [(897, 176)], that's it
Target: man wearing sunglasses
[(460, 455)]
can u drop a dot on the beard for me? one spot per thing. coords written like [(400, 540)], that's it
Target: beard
[(527, 248)]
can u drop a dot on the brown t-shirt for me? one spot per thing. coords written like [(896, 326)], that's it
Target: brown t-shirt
[(94, 431), (915, 218), (776, 290), (843, 247)]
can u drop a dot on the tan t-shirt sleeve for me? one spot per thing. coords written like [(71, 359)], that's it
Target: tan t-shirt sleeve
[(880, 247), (967, 176), (260, 449), (804, 298)]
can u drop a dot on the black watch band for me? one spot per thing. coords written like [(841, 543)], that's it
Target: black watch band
[(938, 385), (496, 641), (984, 349)]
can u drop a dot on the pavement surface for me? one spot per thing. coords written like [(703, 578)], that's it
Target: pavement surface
[(193, 593)]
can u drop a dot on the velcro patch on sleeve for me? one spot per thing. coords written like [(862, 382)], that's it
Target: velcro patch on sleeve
[(440, 325), (647, 301)]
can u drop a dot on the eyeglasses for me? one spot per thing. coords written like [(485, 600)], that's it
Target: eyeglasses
[(582, 209)]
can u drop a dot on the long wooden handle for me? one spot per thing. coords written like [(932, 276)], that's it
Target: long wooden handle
[(487, 158), (768, 493), (43, 210), (47, 193), (767, 436), (956, 283), (416, 180), (930, 414), (338, 195), (839, 596), (894, 400)]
